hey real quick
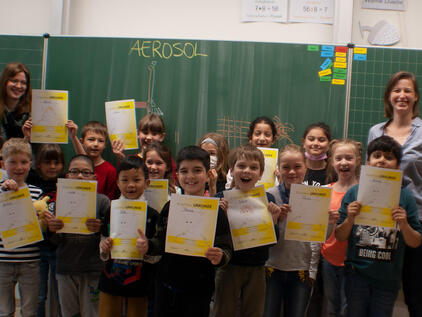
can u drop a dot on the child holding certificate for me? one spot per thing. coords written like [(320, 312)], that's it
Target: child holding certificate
[(126, 283), (50, 166), (92, 143), (184, 284), (159, 163), (343, 164), (244, 276), (21, 264), (375, 253), (262, 133), (292, 265), (78, 255)]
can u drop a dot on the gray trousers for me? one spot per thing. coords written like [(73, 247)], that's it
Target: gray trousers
[(78, 294)]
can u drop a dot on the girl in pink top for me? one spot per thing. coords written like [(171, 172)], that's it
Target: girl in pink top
[(344, 161)]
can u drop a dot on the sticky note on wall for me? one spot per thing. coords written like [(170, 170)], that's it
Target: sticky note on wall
[(340, 65), (325, 72), (338, 81), (359, 57), (326, 63), (360, 50), (313, 48)]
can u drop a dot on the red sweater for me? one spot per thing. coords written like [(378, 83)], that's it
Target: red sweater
[(106, 180)]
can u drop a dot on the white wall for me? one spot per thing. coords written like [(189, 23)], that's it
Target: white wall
[(199, 19), (409, 23)]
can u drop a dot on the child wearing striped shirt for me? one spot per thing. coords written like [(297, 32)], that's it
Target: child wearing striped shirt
[(20, 265)]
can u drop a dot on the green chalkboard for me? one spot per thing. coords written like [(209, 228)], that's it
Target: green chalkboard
[(24, 49), (200, 86), (368, 82)]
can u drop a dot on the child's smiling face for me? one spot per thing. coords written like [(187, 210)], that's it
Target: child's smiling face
[(132, 183), (246, 173), (383, 159), (94, 144), (316, 142), (157, 167), (147, 137), (17, 166), (262, 135), (192, 177)]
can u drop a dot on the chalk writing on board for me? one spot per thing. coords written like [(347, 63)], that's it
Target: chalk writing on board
[(236, 131), (158, 49), (152, 107), (284, 129)]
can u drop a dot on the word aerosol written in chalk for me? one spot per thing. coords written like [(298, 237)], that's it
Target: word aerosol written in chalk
[(166, 50)]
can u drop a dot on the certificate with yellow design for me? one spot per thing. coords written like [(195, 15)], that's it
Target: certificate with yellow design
[(157, 193), (121, 122), (191, 224), (19, 223), (76, 202), (308, 219), (271, 158), (379, 193), (49, 114), (251, 224), (126, 217)]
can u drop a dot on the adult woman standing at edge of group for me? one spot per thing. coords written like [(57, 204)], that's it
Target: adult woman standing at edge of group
[(15, 99), (401, 99)]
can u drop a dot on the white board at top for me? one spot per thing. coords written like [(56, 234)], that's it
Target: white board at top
[(264, 11), (398, 5)]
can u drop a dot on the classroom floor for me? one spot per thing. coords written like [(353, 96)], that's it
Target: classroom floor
[(400, 309)]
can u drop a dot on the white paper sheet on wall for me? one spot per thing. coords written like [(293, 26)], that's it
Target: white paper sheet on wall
[(264, 11), (312, 11), (399, 5)]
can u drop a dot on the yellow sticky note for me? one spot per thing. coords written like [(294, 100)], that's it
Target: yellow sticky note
[(325, 72), (338, 81), (340, 65), (341, 54), (341, 59), (360, 50)]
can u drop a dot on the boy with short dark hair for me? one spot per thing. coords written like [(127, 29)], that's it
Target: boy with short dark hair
[(184, 284), (244, 277), (94, 140), (78, 257), (21, 264), (128, 281), (373, 282)]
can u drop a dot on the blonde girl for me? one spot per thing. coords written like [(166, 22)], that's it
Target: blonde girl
[(344, 164), (292, 264)]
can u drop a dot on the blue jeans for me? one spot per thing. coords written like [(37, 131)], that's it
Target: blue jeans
[(366, 299), (286, 288), (47, 264), (333, 277)]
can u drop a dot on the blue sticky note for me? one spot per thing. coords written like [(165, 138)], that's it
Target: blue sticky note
[(327, 53), (327, 48), (359, 57), (325, 64)]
